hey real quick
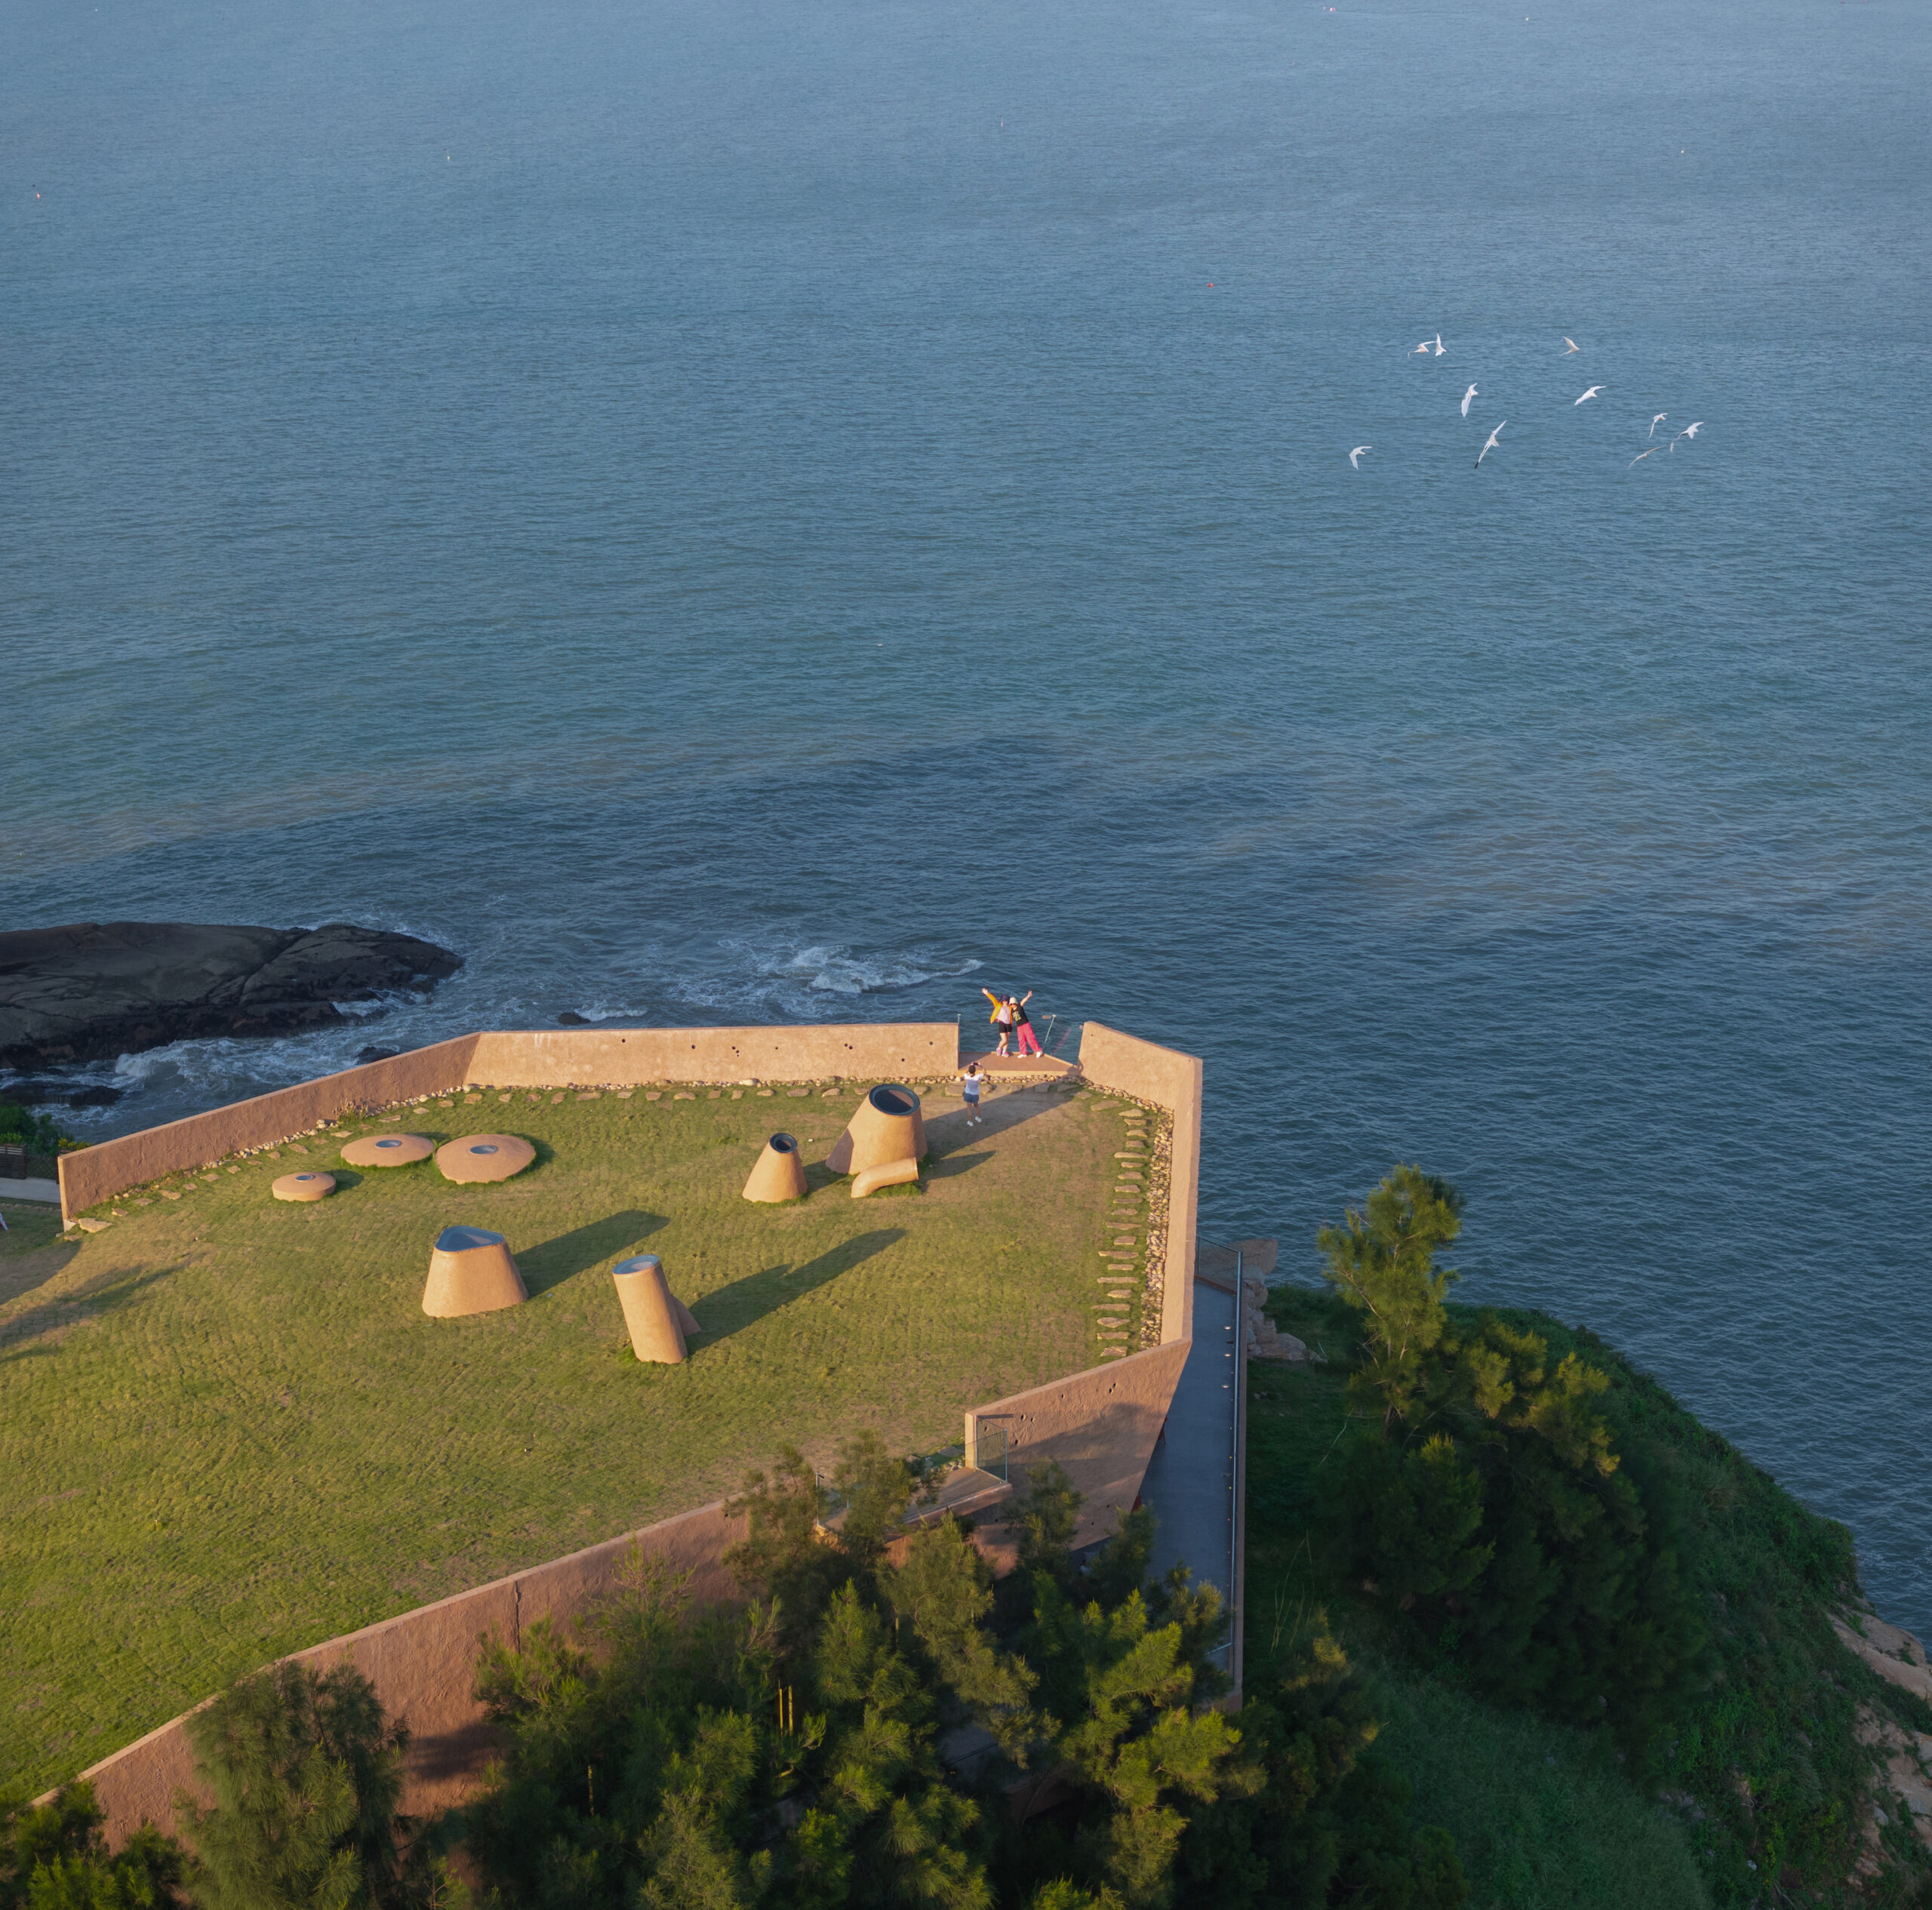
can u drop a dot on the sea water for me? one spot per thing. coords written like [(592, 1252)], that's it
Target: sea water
[(750, 511)]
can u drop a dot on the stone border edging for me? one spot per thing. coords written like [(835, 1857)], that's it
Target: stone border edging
[(1123, 1064)]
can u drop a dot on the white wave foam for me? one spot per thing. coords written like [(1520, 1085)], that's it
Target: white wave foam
[(764, 977), (838, 970)]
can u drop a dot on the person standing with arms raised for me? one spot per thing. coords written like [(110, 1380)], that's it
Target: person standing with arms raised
[(1002, 1017), (1022, 1025)]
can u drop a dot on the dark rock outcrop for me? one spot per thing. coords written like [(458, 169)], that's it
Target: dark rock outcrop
[(92, 990)]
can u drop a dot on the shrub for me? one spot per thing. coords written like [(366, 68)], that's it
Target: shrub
[(54, 1857), (794, 1753), (41, 1133)]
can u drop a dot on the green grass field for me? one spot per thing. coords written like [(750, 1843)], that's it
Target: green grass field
[(228, 1430)]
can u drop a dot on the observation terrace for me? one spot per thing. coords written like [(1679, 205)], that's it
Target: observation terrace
[(232, 1433)]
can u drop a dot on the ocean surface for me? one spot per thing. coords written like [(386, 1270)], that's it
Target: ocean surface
[(745, 511)]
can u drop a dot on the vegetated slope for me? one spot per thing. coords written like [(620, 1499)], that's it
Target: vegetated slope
[(1760, 1783), (227, 1430)]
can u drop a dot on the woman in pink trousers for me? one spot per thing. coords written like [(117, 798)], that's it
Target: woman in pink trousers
[(1029, 1042)]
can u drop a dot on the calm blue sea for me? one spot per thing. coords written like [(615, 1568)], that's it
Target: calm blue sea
[(743, 511)]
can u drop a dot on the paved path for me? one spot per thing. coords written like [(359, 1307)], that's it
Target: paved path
[(1191, 1481), (30, 1190), (1046, 1067)]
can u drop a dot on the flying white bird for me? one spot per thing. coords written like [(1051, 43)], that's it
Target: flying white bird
[(1655, 422), (1591, 393), (1438, 344), (1690, 431), (1466, 396), (1489, 447), (1640, 457), (1574, 346), (1354, 456), (1423, 346)]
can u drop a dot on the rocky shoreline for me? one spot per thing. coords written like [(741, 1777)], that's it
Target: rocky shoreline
[(91, 991)]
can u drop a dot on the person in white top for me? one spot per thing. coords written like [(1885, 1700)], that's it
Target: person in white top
[(970, 1084), (1002, 1017)]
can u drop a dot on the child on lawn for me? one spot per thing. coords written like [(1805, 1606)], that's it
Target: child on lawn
[(969, 1085)]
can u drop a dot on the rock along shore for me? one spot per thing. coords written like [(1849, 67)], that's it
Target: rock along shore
[(91, 991)]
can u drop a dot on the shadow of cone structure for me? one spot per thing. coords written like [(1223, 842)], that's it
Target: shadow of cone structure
[(779, 1173), (470, 1271), (887, 1128), (657, 1322)]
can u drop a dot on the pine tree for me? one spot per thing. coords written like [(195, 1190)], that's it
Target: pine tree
[(306, 1774)]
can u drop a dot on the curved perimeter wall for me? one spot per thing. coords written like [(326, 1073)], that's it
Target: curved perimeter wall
[(591, 1056)]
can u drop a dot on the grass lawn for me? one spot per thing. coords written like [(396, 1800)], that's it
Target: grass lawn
[(228, 1430)]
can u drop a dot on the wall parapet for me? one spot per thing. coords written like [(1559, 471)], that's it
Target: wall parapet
[(560, 1058), (96, 1173), (423, 1664), (1146, 1072)]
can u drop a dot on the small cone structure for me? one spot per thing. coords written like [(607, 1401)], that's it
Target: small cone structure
[(389, 1150), (657, 1322), (307, 1186), (887, 1127), (894, 1173), (779, 1173), (474, 1157), (470, 1271)]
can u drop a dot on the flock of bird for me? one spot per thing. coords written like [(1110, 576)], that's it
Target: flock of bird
[(1437, 349)]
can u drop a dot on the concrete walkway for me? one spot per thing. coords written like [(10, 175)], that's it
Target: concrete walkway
[(1044, 1067), (1193, 1481), (30, 1190)]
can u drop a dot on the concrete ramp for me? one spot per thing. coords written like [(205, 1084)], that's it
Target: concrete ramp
[(1194, 1484)]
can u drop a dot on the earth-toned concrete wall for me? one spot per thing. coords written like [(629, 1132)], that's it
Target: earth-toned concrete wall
[(423, 1664), (1099, 1425), (1170, 1080), (95, 1173), (562, 1058), (598, 1057)]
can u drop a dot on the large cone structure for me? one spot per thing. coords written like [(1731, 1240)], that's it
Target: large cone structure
[(779, 1173), (657, 1322), (470, 1271), (886, 1128)]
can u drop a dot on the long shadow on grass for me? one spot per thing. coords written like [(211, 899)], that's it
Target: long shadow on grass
[(107, 1294), (745, 1302), (21, 1273), (946, 1133), (583, 1247)]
